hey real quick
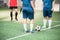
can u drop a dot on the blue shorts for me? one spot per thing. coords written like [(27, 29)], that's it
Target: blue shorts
[(28, 13), (47, 13)]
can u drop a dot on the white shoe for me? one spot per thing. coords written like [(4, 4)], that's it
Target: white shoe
[(44, 27), (32, 31)]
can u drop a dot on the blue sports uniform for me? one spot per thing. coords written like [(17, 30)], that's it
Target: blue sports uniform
[(47, 8), (28, 11)]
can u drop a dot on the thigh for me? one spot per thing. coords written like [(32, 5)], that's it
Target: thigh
[(49, 13), (45, 13), (31, 15), (25, 15)]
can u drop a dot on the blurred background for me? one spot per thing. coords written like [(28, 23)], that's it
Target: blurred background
[(4, 3)]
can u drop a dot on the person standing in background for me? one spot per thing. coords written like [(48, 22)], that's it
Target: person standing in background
[(47, 12), (28, 12), (13, 4)]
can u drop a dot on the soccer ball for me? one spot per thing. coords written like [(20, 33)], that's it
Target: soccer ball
[(37, 28)]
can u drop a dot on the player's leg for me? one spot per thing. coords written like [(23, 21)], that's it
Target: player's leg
[(45, 18), (31, 25), (44, 22), (20, 9), (49, 18), (31, 17), (16, 14), (25, 24), (25, 20), (49, 22), (11, 13)]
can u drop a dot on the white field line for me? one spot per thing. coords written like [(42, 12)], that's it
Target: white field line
[(51, 27), (19, 36), (29, 33), (55, 21)]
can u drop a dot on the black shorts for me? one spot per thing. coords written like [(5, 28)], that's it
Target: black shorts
[(13, 7)]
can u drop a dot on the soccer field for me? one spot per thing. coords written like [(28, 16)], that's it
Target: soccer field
[(13, 30)]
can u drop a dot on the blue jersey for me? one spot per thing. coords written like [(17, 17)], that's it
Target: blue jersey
[(47, 4), (27, 11), (26, 3)]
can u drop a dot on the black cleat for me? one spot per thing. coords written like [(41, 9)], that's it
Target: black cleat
[(26, 31)]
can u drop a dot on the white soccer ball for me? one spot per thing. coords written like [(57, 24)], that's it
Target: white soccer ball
[(37, 28)]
